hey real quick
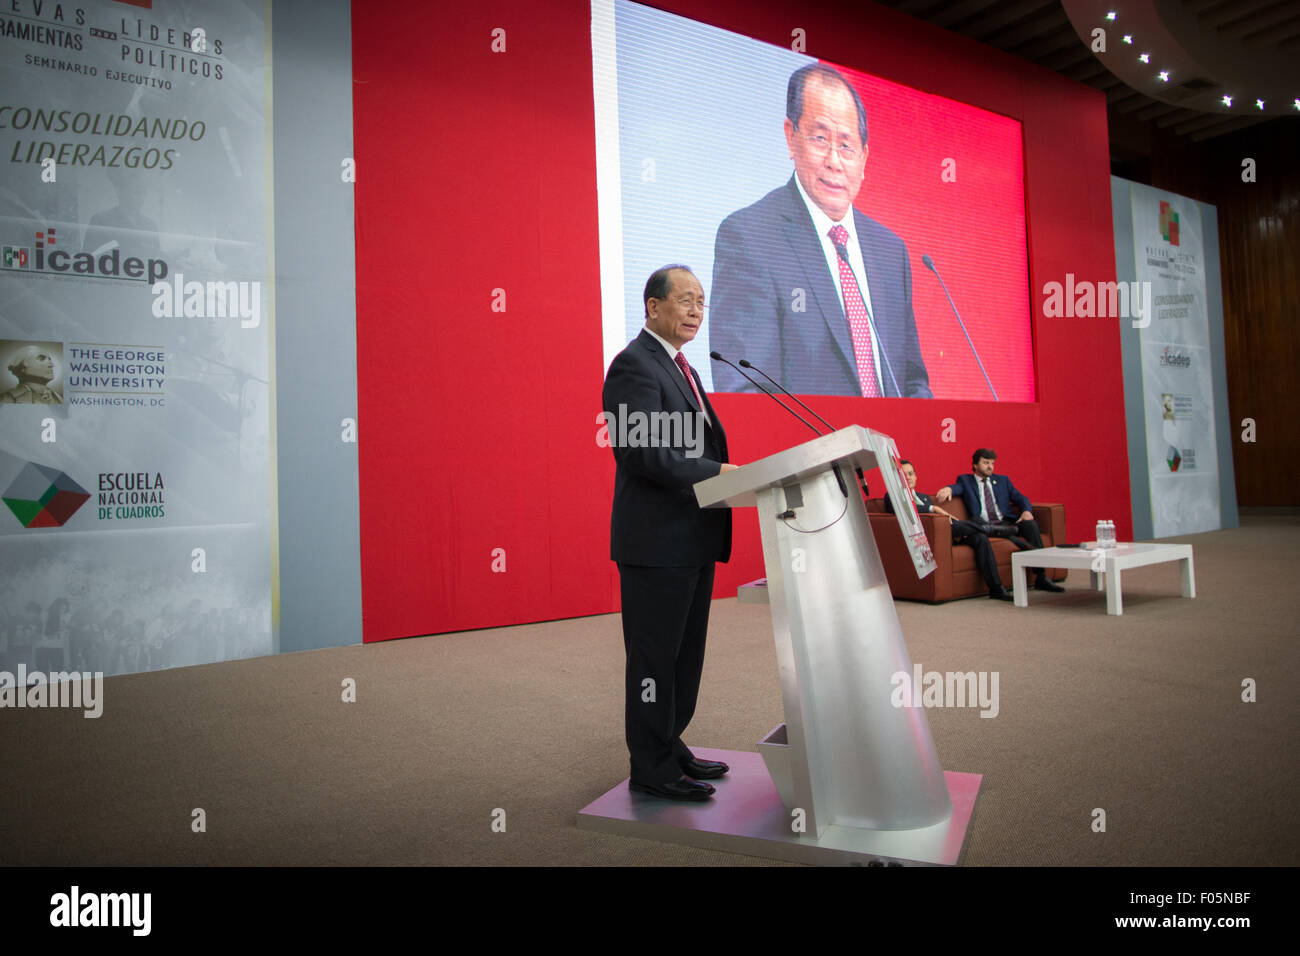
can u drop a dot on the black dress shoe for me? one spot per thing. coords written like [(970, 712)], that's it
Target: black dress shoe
[(683, 788), (704, 769), (1002, 594), (1043, 584)]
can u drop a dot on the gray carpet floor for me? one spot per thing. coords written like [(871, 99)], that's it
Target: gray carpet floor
[(1140, 715)]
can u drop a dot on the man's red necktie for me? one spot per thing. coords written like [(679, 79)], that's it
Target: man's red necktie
[(859, 324), (686, 370)]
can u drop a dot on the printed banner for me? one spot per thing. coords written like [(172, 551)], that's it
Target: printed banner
[(134, 334), (1177, 386)]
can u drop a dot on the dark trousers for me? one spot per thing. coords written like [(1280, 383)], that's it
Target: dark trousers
[(967, 532), (665, 620), (1027, 538)]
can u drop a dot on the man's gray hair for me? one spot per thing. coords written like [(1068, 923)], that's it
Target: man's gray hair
[(827, 74), (660, 284)]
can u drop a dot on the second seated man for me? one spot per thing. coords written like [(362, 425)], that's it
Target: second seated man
[(994, 501)]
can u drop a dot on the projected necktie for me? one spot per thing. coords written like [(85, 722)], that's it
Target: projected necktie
[(686, 370), (988, 500), (856, 309)]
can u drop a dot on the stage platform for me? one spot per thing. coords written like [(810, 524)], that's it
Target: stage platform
[(746, 816)]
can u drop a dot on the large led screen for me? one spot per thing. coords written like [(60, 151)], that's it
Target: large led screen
[(818, 205)]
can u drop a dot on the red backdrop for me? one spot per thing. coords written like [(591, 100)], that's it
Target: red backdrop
[(476, 173), (971, 223)]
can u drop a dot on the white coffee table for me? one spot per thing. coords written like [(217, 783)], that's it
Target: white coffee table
[(1110, 562)]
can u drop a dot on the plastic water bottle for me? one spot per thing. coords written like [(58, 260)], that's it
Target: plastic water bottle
[(1101, 534), (1110, 534)]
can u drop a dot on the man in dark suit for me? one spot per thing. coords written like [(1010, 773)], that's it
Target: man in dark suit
[(666, 437), (993, 500), (963, 532), (806, 287)]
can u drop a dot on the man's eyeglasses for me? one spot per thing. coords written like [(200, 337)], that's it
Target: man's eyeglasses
[(820, 146), (687, 302)]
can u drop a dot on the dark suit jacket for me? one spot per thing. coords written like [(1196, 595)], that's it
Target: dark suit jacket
[(1009, 501), (766, 251), (656, 520), (924, 505)]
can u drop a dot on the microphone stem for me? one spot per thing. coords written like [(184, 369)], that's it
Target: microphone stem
[(784, 389), (978, 360)]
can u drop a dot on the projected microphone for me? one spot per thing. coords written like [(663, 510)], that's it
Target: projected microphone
[(747, 364), (843, 252), (717, 357), (929, 264)]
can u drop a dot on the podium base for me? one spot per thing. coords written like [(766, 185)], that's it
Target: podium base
[(755, 592), (746, 816)]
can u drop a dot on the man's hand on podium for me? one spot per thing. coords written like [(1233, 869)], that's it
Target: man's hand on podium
[(728, 466)]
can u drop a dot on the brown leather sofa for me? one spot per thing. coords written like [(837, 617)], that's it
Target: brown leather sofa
[(955, 574)]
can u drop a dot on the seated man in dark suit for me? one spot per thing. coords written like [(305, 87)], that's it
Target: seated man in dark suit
[(963, 532), (992, 500)]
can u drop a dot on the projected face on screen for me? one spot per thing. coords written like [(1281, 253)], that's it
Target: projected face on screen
[(826, 143), (810, 236)]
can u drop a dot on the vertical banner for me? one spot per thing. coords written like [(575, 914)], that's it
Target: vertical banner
[(1177, 386), (900, 493), (135, 392)]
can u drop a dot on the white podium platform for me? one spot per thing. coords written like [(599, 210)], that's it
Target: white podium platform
[(746, 816)]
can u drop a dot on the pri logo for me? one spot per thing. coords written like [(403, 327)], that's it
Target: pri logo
[(15, 257), (42, 497), (1168, 223)]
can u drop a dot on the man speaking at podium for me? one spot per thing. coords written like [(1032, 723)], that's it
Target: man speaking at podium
[(665, 544)]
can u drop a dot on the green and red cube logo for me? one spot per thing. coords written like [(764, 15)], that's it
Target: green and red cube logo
[(1168, 223), (42, 497)]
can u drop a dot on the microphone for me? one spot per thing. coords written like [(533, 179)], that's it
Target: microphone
[(717, 357), (747, 364), (843, 252), (929, 264)]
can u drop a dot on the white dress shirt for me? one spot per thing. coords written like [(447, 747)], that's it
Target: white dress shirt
[(672, 357)]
